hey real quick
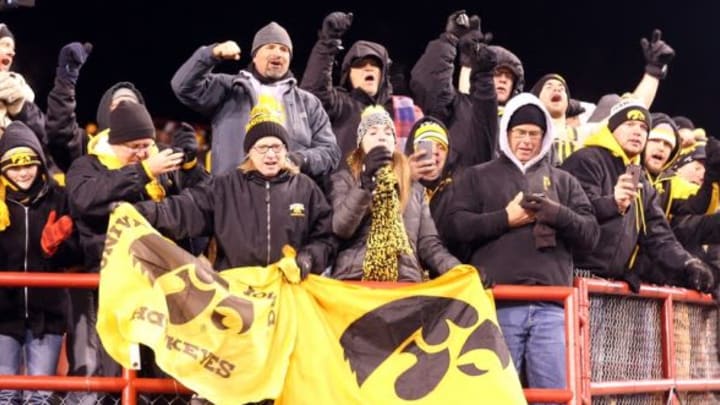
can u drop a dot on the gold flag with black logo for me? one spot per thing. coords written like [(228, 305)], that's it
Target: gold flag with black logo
[(248, 334)]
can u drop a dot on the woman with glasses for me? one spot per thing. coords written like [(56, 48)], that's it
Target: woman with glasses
[(380, 215), (256, 209)]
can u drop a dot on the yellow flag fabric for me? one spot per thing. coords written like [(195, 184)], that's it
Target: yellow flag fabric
[(248, 334)]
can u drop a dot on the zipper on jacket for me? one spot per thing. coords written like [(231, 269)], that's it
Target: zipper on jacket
[(267, 205), (25, 264)]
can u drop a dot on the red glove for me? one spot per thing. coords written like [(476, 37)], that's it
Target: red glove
[(55, 233)]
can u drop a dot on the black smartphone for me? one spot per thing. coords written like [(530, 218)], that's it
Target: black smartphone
[(635, 171)]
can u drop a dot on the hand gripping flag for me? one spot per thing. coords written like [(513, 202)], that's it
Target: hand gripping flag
[(248, 334)]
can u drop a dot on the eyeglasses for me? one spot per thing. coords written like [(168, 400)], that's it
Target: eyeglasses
[(523, 133), (263, 149), (137, 148)]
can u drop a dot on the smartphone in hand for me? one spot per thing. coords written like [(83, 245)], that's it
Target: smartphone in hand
[(635, 171), (427, 146)]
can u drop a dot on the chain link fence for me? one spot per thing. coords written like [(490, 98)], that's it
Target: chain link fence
[(626, 344)]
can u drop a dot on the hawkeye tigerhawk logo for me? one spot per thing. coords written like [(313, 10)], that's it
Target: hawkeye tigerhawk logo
[(157, 257), (636, 115), (420, 326), (297, 210)]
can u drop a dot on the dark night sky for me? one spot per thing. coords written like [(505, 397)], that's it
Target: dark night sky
[(595, 45)]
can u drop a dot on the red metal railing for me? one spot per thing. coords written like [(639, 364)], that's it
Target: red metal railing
[(670, 381), (129, 384), (568, 296)]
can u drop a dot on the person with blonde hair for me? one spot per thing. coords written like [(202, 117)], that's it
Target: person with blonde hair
[(380, 215), (256, 209)]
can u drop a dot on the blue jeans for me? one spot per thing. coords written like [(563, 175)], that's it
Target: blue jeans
[(535, 335), (39, 355)]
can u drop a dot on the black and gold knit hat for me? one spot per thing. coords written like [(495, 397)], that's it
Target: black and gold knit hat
[(19, 156), (628, 109), (267, 118)]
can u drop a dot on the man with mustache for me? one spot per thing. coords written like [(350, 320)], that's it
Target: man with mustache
[(227, 100)]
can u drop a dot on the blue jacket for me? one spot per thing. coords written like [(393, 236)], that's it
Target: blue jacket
[(227, 100)]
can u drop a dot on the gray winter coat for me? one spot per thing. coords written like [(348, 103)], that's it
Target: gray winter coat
[(351, 224), (227, 100)]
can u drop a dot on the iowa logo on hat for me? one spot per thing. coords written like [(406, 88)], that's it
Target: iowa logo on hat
[(20, 159), (635, 115), (297, 210)]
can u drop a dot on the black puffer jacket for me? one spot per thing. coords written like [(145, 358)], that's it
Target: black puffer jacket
[(351, 223), (471, 118), (251, 217), (343, 103)]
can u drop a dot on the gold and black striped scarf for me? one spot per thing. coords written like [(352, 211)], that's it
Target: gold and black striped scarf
[(387, 239)]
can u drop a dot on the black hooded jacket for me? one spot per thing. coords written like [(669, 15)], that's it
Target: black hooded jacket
[(343, 103), (40, 309), (509, 255), (67, 140), (471, 118), (597, 166)]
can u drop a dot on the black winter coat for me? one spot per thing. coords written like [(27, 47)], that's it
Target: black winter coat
[(251, 217), (352, 220), (92, 188), (598, 166), (344, 104)]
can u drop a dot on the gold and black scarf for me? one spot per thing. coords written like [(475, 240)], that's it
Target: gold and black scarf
[(387, 239)]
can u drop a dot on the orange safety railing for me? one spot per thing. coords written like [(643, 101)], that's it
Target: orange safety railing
[(129, 385), (670, 381)]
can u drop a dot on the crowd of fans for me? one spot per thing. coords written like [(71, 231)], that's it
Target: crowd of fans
[(531, 188)]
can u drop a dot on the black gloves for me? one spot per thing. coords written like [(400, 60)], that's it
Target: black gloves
[(304, 260), (183, 140), (378, 157), (475, 53), (459, 24), (699, 275), (71, 58), (657, 55), (546, 210), (335, 25)]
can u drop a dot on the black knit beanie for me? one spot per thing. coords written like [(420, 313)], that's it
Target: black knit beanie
[(628, 110), (129, 122), (537, 87), (528, 114), (263, 129)]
